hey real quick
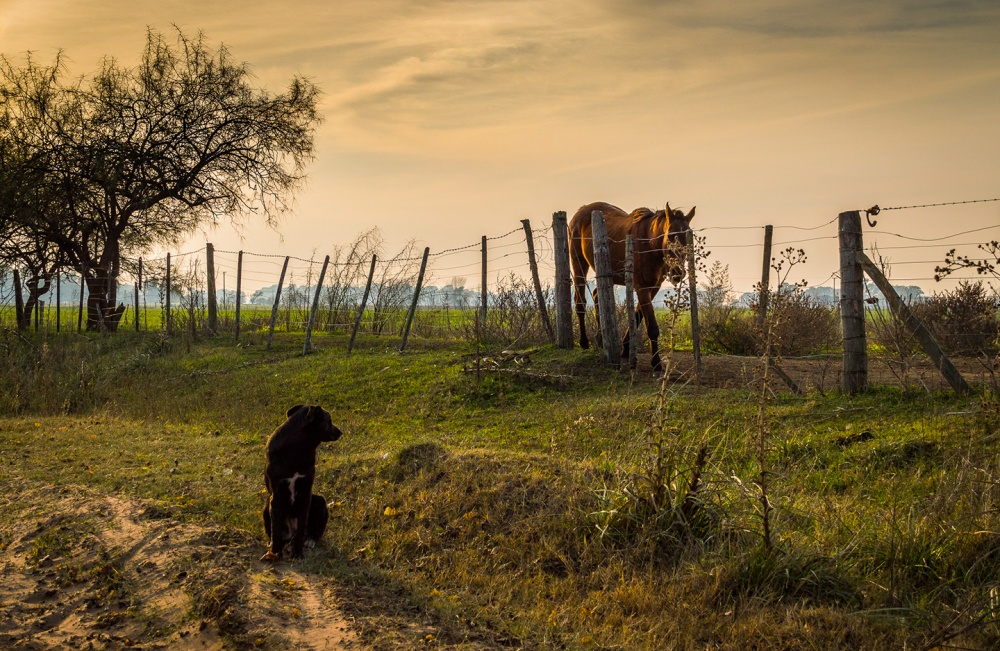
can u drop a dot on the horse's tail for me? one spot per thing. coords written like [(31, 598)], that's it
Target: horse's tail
[(577, 255)]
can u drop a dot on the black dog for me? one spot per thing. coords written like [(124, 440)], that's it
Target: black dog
[(293, 513)]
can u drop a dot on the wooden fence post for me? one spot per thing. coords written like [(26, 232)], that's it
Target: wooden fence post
[(315, 306), (564, 283), (483, 292), (58, 299), (852, 306), (364, 303), (416, 296), (543, 310), (239, 288), (277, 302), (914, 325), (141, 289), (765, 276), (693, 288), (605, 290), (167, 314), (18, 300), (83, 285), (213, 311), (137, 306), (630, 301)]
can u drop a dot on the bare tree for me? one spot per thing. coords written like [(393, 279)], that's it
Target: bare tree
[(348, 269), (141, 156)]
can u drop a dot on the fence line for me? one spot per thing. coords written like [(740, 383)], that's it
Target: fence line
[(338, 298)]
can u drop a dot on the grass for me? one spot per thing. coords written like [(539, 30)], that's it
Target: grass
[(512, 512)]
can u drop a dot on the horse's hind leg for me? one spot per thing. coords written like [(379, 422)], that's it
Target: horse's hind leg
[(634, 323), (598, 337), (652, 329), (580, 294)]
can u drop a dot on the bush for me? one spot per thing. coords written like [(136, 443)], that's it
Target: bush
[(512, 317), (802, 326), (725, 327), (964, 320)]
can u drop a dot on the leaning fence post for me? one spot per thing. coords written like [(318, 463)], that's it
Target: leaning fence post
[(416, 297), (315, 306), (277, 302), (543, 311), (213, 312), (239, 288), (364, 303), (765, 276), (852, 307), (564, 310), (605, 290), (916, 326), (630, 301), (693, 288)]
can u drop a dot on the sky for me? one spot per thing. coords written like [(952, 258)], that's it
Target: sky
[(446, 120)]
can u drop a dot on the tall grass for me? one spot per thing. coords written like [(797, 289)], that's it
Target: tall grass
[(608, 512)]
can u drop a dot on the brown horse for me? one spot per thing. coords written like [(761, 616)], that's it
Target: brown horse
[(657, 241)]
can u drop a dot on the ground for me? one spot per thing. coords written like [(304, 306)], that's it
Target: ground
[(82, 570), (467, 511)]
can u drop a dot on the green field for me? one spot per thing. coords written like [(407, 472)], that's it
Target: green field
[(548, 505)]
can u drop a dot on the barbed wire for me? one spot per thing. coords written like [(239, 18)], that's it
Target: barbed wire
[(937, 239), (874, 210)]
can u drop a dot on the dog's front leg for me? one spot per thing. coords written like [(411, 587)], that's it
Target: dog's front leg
[(277, 518), (301, 498)]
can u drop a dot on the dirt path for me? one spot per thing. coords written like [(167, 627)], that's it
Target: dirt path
[(85, 571)]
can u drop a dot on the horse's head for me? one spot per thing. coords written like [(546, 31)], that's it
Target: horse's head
[(673, 243)]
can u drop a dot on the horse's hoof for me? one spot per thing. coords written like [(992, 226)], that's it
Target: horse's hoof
[(585, 345), (270, 557)]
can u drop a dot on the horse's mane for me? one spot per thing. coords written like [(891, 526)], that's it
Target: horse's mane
[(643, 214)]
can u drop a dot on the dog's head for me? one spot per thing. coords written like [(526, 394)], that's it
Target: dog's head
[(316, 421)]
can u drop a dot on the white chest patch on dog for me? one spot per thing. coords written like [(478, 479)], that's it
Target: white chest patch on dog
[(291, 485)]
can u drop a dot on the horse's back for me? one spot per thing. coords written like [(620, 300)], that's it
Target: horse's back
[(582, 219)]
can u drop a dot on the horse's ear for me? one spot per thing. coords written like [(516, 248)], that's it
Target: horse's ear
[(690, 215), (670, 213)]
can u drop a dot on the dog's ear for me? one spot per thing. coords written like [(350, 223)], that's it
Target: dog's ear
[(290, 412), (314, 414)]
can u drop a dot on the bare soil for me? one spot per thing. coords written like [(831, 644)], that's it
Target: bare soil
[(85, 571), (822, 373)]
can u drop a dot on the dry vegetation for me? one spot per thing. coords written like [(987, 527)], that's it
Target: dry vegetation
[(556, 504)]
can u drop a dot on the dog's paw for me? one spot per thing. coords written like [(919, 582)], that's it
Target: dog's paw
[(270, 557), (309, 544)]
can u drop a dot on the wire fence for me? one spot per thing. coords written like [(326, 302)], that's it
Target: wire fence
[(452, 293)]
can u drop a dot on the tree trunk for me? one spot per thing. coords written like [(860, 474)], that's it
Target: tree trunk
[(38, 285), (102, 313)]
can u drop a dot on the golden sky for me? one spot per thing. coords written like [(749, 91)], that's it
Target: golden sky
[(446, 120)]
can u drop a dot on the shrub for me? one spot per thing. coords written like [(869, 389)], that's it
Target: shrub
[(802, 326), (964, 320), (725, 327), (512, 317)]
